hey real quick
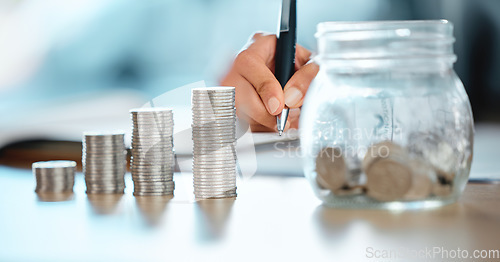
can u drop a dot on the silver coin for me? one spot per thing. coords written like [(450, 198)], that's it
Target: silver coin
[(153, 153), (54, 164), (212, 91), (104, 168), (105, 190), (152, 179), (167, 145), (105, 187), (213, 123), (103, 164), (227, 134), (212, 104), (150, 138), (163, 169), (144, 165), (207, 156), (216, 124), (218, 130), (156, 180), (151, 174), (211, 94), (152, 129), (98, 136), (213, 173), (215, 150), (153, 186), (150, 110), (117, 144), (101, 174), (154, 148), (215, 196), (209, 115), (213, 187), (151, 183), (104, 160), (201, 169), (52, 174), (152, 133), (214, 142), (103, 139), (152, 194), (219, 96), (152, 126), (200, 114), (163, 117), (219, 102), (154, 123), (105, 176), (104, 156), (154, 143), (147, 166), (207, 167), (211, 107), (214, 192), (151, 189), (214, 158), (152, 160), (207, 181), (92, 192), (104, 150)]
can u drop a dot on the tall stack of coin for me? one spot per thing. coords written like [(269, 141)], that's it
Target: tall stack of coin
[(54, 176), (214, 140), (152, 163), (104, 162)]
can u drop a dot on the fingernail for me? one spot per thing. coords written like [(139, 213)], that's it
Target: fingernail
[(292, 96), (273, 104)]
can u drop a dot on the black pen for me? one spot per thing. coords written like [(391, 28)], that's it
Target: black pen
[(285, 52)]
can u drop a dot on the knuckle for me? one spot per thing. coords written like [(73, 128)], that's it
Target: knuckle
[(264, 86), (245, 57), (257, 35)]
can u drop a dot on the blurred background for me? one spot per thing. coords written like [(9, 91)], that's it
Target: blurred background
[(69, 66)]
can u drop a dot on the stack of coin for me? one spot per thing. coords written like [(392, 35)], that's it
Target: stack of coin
[(152, 163), (214, 141), (54, 176), (104, 162)]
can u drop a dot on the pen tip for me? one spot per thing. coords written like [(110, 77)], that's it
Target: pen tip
[(280, 132)]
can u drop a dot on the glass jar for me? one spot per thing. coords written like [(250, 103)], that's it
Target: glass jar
[(386, 123)]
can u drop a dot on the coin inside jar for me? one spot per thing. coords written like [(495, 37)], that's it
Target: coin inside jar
[(388, 179), (330, 168), (421, 185)]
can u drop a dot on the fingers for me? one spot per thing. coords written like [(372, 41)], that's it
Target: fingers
[(249, 105), (252, 67), (297, 86), (293, 117), (302, 56)]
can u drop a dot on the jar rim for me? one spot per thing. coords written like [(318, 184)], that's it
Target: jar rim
[(342, 26)]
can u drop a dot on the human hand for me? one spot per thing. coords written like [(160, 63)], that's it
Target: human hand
[(259, 96)]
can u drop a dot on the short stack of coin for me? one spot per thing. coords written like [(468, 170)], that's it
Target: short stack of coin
[(214, 140), (104, 162), (54, 176), (153, 161)]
